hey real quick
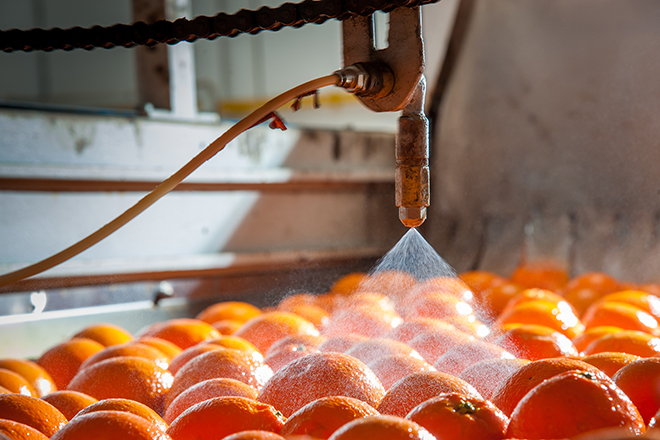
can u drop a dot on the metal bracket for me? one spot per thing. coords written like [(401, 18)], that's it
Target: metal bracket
[(404, 56)]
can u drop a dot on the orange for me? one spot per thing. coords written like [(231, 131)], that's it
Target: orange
[(321, 375), (517, 385), (256, 435), (407, 393), (32, 372), (289, 341), (591, 334), (528, 295), (469, 324), (322, 417), (431, 345), (340, 344), (110, 425), (62, 361), (267, 328), (455, 416), (393, 283), (626, 341), (558, 316), (33, 412), (391, 368), (279, 358), (585, 289), (415, 326), (534, 342), (381, 428), (105, 334), (375, 301), (479, 280), (349, 283), (438, 305), (166, 347), (619, 314), (222, 416), (125, 377), (373, 349), (18, 431), (449, 285), (69, 402), (314, 314), (361, 320), (235, 342), (459, 357), (572, 403), (609, 362), (227, 326), (205, 390), (189, 353), (228, 363), (233, 310), (127, 405), (645, 301), (488, 374), (16, 383), (491, 301), (640, 380), (182, 332), (131, 349), (541, 274), (296, 299)]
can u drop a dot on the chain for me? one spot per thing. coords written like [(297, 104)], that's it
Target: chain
[(221, 25)]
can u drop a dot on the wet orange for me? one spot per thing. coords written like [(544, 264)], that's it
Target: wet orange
[(267, 328), (166, 347), (208, 389), (32, 372), (375, 301), (33, 412), (279, 358), (459, 357), (69, 402), (130, 406), (232, 310), (16, 383), (257, 435), (228, 363), (640, 380), (644, 300), (289, 341), (361, 320), (619, 314), (585, 289), (340, 344), (469, 324), (131, 349), (455, 416), (62, 361), (529, 295), (125, 377), (485, 376), (18, 431), (105, 334), (373, 349), (558, 316), (314, 314), (381, 428), (432, 345), (348, 284), (609, 362), (480, 280), (626, 341), (518, 384), (390, 369), (533, 342), (222, 416), (393, 283), (321, 375), (189, 353), (227, 326), (110, 425), (322, 417), (572, 403), (182, 332), (491, 301), (410, 391), (541, 274), (591, 334), (415, 326), (438, 306)]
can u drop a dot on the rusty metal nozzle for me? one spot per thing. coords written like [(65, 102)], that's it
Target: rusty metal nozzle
[(375, 80), (412, 176)]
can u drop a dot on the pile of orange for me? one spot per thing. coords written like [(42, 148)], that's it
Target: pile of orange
[(537, 355)]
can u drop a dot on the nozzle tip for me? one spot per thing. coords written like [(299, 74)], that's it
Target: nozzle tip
[(412, 216)]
